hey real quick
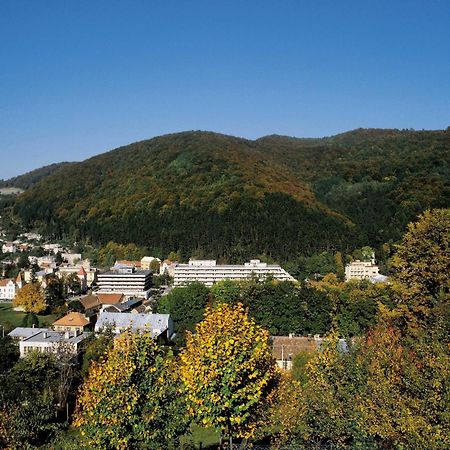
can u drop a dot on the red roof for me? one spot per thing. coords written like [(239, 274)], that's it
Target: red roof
[(109, 299), (81, 271)]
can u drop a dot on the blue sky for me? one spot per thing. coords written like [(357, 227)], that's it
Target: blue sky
[(81, 77)]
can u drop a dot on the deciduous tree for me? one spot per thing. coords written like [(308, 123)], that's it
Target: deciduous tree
[(228, 371), (31, 298)]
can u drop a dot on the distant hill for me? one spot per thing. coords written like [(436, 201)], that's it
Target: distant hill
[(30, 178), (214, 195)]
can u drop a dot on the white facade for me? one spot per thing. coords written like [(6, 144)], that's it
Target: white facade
[(208, 272), (7, 289), (47, 341), (9, 247), (126, 280), (361, 270)]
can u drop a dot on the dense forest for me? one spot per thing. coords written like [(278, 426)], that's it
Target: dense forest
[(28, 179), (211, 195)]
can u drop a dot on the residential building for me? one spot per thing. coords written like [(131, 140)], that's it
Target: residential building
[(361, 270), (74, 321), (71, 258), (9, 287), (159, 325), (55, 248), (44, 340), (94, 302), (285, 348), (146, 261), (126, 280), (208, 272), (9, 247), (65, 269), (167, 267)]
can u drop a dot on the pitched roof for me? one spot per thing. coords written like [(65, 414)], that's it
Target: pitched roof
[(287, 347), (155, 323), (109, 298), (26, 332), (81, 271), (73, 319), (5, 282), (19, 278), (90, 301)]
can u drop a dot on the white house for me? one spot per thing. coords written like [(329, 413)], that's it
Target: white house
[(9, 287), (44, 340)]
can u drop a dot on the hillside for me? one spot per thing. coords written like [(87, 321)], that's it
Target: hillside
[(214, 195), (30, 178)]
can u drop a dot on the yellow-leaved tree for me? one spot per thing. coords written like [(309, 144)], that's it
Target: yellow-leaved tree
[(30, 298), (131, 397), (228, 371)]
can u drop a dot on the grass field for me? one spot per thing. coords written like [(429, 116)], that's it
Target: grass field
[(11, 319)]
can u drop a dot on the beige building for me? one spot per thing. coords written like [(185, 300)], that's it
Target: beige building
[(361, 270), (74, 322)]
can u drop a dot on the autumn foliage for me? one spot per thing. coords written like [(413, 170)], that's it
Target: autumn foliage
[(228, 371)]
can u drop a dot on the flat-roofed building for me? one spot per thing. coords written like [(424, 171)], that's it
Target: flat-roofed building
[(126, 280), (361, 270), (209, 272)]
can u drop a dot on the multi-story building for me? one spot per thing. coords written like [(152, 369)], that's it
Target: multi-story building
[(361, 270), (126, 280), (9, 287), (208, 272), (9, 247)]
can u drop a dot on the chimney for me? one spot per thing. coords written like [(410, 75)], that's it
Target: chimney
[(44, 334), (67, 334)]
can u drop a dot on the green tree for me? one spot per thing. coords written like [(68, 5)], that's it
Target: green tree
[(30, 320), (186, 306), (228, 371)]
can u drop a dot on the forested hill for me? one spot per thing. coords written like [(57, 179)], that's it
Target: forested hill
[(214, 195), (30, 178)]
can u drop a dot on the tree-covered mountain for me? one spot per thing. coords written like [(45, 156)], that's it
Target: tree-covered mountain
[(30, 178), (208, 194)]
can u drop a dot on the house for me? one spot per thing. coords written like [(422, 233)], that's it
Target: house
[(71, 258), (74, 321), (21, 333), (130, 305), (9, 287), (65, 269), (285, 348), (146, 262), (44, 341), (160, 325), (92, 303), (9, 247), (54, 248), (127, 263), (167, 267), (208, 272)]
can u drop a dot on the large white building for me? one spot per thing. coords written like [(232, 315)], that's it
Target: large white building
[(127, 281), (208, 272), (361, 270)]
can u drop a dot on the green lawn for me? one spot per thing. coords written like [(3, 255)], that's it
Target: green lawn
[(11, 319), (206, 436)]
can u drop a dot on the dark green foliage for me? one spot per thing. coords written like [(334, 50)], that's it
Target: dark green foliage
[(9, 353), (30, 320), (207, 194), (186, 306), (94, 348)]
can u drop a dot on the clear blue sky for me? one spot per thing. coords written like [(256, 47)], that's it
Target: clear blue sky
[(79, 77)]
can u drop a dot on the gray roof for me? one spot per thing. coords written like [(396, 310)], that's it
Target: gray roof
[(134, 321), (57, 336), (25, 332)]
